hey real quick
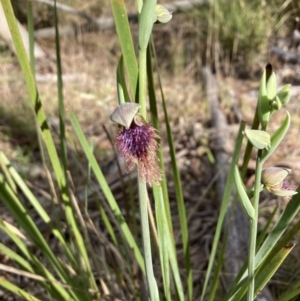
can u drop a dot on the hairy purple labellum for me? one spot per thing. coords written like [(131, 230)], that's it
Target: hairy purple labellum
[(138, 145)]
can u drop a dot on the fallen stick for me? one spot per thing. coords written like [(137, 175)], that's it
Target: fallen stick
[(108, 23)]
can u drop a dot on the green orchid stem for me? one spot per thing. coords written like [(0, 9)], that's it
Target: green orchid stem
[(139, 6), (143, 194), (250, 193), (143, 198), (253, 228), (143, 81)]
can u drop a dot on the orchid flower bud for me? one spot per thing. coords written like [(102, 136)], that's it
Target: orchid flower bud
[(273, 180), (162, 14), (267, 92), (124, 114)]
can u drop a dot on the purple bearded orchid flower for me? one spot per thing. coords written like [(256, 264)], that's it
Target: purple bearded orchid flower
[(137, 143)]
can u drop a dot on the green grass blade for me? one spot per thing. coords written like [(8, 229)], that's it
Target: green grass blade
[(36, 204), (161, 193), (4, 167), (180, 204), (13, 256), (167, 247), (265, 274), (290, 294), (282, 224), (16, 290), (234, 286), (163, 232), (217, 274), (175, 268), (23, 187), (285, 239), (178, 192), (272, 245), (33, 93), (63, 155), (19, 212), (42, 122), (106, 191), (124, 34), (292, 291), (103, 214), (224, 205), (155, 124), (108, 225), (146, 239), (61, 109), (26, 223), (34, 265), (30, 28), (123, 95), (270, 267), (88, 179), (47, 137)]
